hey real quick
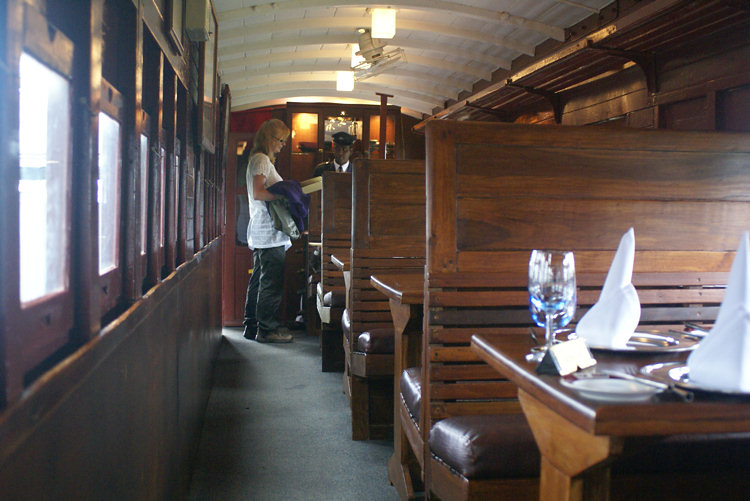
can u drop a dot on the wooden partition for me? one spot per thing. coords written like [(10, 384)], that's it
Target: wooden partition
[(313, 248), (388, 234), (497, 191), (335, 237)]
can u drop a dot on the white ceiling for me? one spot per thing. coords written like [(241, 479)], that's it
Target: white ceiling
[(290, 50)]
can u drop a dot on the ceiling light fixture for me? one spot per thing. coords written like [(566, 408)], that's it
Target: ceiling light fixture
[(356, 58), (344, 81), (383, 23)]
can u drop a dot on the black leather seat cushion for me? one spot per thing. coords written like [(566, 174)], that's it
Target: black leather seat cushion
[(346, 325), (335, 298), (487, 446), (376, 341), (411, 391)]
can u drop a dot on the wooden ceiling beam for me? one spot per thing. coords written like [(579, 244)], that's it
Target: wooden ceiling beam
[(429, 62), (407, 43), (450, 8), (351, 23), (438, 81)]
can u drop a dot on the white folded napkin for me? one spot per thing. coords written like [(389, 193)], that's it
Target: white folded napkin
[(722, 359), (615, 316)]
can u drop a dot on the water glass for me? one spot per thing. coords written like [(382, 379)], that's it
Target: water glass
[(552, 293)]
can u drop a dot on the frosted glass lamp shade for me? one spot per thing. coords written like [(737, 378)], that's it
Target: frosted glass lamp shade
[(383, 23), (345, 81)]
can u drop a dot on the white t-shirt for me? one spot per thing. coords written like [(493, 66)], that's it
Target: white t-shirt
[(261, 233)]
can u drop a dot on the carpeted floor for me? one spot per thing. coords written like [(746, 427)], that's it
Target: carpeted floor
[(277, 428)]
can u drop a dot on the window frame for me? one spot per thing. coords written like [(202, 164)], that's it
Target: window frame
[(181, 148), (155, 214), (169, 117), (173, 209), (208, 81), (143, 224), (175, 21), (45, 323), (199, 204), (111, 283)]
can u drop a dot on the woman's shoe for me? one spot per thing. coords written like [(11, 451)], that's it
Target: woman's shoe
[(273, 337)]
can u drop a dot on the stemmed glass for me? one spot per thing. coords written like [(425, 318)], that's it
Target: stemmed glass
[(552, 293)]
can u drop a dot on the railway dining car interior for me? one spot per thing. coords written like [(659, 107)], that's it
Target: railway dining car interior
[(438, 350)]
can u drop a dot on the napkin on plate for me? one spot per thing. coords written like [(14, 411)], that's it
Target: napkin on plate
[(722, 359), (614, 317)]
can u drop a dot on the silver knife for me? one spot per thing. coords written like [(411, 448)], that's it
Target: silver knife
[(685, 394)]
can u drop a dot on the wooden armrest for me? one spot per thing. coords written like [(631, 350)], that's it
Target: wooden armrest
[(406, 288), (340, 263)]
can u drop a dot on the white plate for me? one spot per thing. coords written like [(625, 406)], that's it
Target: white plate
[(650, 342), (678, 373), (608, 388)]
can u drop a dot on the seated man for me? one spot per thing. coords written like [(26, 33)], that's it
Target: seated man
[(342, 150)]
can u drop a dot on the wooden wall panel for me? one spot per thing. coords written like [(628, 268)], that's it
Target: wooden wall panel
[(699, 90), (121, 419), (691, 114), (733, 109)]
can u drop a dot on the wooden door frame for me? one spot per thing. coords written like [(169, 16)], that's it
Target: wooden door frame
[(229, 271)]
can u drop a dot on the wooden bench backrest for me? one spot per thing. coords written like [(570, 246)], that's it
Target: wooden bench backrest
[(313, 217), (336, 222), (497, 191), (388, 233)]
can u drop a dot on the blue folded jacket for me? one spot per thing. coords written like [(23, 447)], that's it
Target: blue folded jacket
[(298, 202)]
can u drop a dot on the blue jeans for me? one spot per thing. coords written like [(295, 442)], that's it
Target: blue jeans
[(265, 289)]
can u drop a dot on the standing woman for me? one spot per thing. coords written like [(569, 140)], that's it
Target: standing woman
[(269, 245)]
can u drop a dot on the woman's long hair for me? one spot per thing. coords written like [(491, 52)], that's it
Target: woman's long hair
[(269, 131)]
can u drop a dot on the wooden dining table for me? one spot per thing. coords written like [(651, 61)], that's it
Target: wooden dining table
[(405, 293), (578, 437)]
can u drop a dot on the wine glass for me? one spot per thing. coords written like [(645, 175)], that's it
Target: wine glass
[(552, 293)]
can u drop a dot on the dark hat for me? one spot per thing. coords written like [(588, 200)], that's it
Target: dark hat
[(343, 139)]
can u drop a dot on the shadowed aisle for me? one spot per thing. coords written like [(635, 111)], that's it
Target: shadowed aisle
[(277, 428)]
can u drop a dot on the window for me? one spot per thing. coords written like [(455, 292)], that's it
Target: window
[(162, 195), (182, 194), (109, 196), (108, 192), (145, 209), (176, 190), (199, 191), (43, 186), (208, 87), (143, 187)]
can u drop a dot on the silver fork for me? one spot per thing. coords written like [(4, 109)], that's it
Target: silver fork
[(630, 372)]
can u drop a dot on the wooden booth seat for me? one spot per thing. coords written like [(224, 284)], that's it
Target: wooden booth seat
[(312, 265), (497, 191), (388, 235), (336, 210)]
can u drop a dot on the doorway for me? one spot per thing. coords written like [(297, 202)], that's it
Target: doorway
[(238, 259)]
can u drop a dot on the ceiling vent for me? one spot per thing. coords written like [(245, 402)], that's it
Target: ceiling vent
[(376, 58)]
